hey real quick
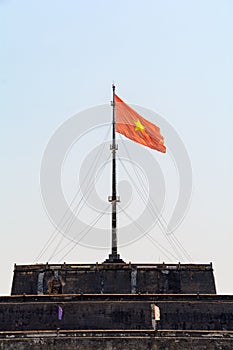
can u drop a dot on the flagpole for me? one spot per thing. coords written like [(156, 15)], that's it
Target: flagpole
[(114, 256)]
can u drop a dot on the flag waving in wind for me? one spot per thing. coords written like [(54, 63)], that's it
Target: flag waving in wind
[(132, 125)]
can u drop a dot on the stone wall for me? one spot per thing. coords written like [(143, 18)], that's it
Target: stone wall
[(116, 343), (83, 315), (111, 312), (113, 278)]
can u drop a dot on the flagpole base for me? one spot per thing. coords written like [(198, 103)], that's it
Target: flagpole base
[(114, 258)]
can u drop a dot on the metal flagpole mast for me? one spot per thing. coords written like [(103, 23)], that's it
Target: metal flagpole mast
[(114, 198)]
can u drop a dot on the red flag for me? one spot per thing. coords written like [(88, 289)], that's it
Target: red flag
[(132, 125)]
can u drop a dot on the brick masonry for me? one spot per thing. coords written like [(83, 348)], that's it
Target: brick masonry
[(110, 307)]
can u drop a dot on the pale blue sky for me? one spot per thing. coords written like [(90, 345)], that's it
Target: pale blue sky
[(60, 57)]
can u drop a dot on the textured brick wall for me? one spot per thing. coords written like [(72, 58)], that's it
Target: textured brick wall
[(196, 315), (83, 315), (58, 343), (113, 279), (193, 315)]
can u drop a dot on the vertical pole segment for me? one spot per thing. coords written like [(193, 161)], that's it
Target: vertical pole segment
[(114, 256), (114, 192)]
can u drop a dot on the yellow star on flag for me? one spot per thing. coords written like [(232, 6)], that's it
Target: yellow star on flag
[(139, 126)]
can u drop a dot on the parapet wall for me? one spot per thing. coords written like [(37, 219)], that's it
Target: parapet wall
[(113, 278), (112, 306), (124, 341), (116, 313)]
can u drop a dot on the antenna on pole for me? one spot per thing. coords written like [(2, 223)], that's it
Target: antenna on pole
[(114, 256)]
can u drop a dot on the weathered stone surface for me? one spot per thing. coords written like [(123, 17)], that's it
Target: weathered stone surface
[(116, 343), (191, 312), (90, 315), (113, 278), (110, 306)]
